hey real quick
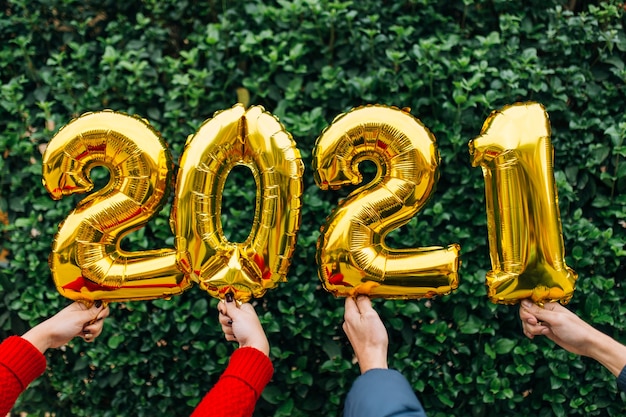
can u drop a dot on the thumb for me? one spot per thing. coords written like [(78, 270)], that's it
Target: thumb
[(94, 312), (231, 310), (545, 313), (87, 315), (240, 312)]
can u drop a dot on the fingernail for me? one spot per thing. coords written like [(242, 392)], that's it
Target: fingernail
[(98, 303), (229, 297), (526, 303)]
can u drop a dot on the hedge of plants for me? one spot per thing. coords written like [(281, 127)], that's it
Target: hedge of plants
[(176, 63)]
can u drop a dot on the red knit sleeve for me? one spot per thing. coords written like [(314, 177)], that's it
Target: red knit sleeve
[(20, 364), (239, 387)]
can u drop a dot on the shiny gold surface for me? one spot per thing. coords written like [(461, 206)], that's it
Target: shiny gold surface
[(86, 261), (253, 138), (524, 223), (351, 253)]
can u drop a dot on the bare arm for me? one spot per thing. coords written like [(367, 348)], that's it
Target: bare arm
[(77, 319), (573, 334)]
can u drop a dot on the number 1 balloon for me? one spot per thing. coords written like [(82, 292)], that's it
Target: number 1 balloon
[(523, 219)]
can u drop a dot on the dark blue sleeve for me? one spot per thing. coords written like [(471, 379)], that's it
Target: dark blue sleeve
[(382, 393), (621, 380)]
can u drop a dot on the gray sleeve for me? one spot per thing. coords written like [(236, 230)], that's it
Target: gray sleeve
[(621, 380), (382, 393)]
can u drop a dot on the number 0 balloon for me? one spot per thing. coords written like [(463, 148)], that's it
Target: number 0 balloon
[(524, 224), (255, 139)]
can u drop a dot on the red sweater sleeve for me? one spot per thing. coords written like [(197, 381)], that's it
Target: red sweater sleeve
[(20, 364), (239, 387)]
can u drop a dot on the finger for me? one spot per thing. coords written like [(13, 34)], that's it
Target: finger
[(80, 305), (543, 314), (351, 309), (93, 328), (103, 314), (535, 330), (364, 304), (529, 318), (225, 320), (236, 312), (526, 317), (228, 330), (93, 310), (528, 333), (221, 307), (94, 331), (246, 307), (526, 328)]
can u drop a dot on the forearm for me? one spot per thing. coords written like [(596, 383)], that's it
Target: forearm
[(39, 338), (608, 351)]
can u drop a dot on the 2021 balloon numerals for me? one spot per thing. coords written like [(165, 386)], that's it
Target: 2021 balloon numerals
[(87, 263)]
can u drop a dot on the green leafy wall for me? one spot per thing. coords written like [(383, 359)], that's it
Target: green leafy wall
[(306, 61)]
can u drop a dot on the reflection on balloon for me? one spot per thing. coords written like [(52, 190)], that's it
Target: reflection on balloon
[(86, 261), (351, 253), (524, 223), (255, 139)]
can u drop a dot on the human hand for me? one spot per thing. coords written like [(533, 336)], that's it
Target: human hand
[(366, 332), (573, 334), (558, 324), (241, 324), (77, 319)]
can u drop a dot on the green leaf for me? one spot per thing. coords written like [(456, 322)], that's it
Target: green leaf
[(504, 346), (115, 341)]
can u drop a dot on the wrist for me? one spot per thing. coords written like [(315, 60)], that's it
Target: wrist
[(609, 352), (38, 338), (260, 345), (373, 360), (373, 365)]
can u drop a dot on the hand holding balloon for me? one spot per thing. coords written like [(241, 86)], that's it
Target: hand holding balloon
[(366, 332), (573, 334), (77, 319), (241, 324)]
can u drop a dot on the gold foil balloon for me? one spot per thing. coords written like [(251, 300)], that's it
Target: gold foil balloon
[(255, 139), (351, 253), (86, 261), (524, 224)]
